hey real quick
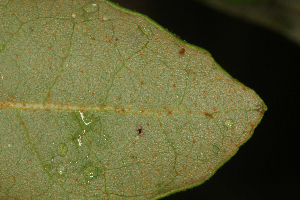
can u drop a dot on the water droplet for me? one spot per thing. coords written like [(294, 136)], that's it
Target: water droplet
[(73, 15), (62, 149), (61, 170), (30, 29), (82, 117), (91, 6), (144, 30), (79, 141), (48, 167), (216, 149), (106, 18), (2, 47), (228, 123), (90, 172)]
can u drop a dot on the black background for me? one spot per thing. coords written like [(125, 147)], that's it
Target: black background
[(267, 166)]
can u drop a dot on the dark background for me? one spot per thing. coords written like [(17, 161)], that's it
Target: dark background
[(267, 166)]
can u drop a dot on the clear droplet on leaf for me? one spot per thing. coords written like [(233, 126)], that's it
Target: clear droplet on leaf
[(216, 149), (90, 172), (61, 170), (91, 6), (62, 149), (228, 123), (144, 30), (105, 18), (48, 167), (2, 47)]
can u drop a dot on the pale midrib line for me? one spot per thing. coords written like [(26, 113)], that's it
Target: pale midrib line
[(99, 108)]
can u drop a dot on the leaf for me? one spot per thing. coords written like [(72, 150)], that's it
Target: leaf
[(99, 102)]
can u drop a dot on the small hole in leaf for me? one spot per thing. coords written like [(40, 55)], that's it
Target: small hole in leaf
[(140, 131)]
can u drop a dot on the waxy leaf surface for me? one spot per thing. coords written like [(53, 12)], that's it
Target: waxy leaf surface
[(98, 102)]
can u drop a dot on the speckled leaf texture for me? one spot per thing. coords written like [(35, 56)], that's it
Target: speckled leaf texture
[(99, 102)]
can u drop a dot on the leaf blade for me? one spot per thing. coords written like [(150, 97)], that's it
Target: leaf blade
[(104, 74)]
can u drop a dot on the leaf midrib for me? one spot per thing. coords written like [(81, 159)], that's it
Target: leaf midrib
[(98, 108)]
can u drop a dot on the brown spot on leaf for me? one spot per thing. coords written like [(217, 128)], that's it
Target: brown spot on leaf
[(182, 51), (208, 115), (261, 108), (108, 39)]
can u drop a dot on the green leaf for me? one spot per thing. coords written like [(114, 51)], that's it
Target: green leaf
[(99, 102)]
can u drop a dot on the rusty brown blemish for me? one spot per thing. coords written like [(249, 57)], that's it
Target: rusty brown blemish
[(108, 39), (182, 51), (208, 115)]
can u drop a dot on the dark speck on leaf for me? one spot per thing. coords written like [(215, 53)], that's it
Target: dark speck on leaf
[(140, 131), (208, 115)]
